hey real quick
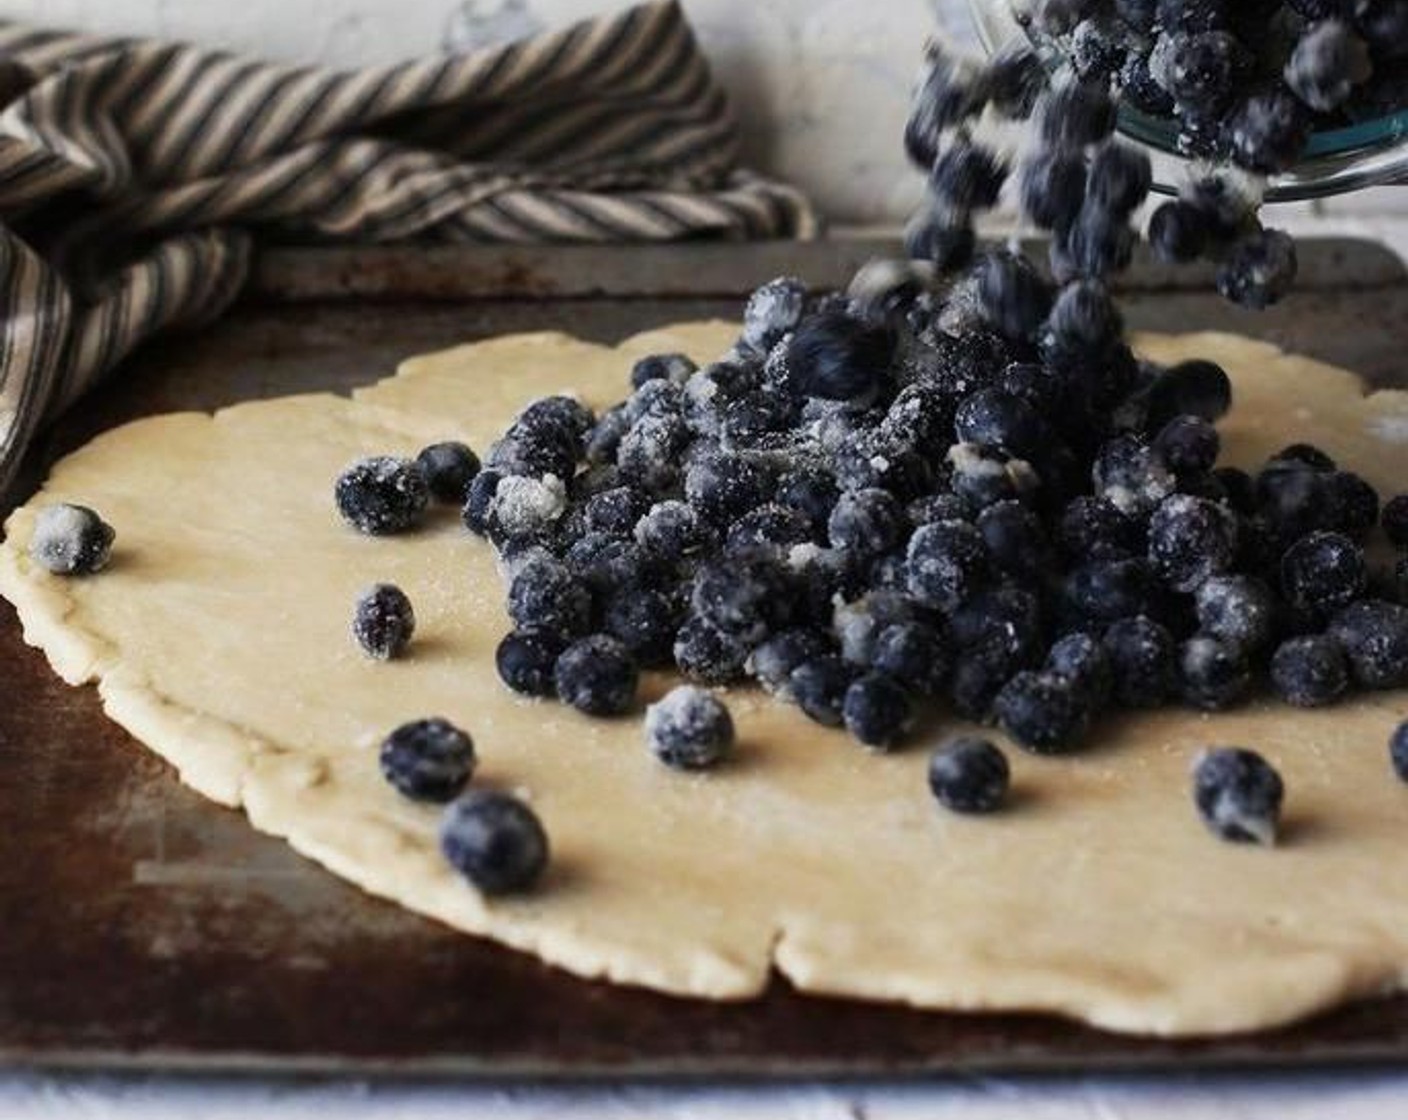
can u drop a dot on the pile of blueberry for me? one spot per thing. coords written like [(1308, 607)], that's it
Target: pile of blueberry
[(1245, 82), (973, 495)]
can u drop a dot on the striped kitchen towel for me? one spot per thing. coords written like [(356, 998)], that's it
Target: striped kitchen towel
[(136, 177)]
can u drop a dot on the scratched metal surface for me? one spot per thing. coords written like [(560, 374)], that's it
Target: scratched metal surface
[(143, 927)]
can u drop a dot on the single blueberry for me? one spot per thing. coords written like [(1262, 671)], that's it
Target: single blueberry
[(1141, 653), (689, 729), (1190, 540), (382, 494), (836, 356), (969, 775), (1044, 712), (70, 540), (707, 654), (525, 660), (819, 686), (1398, 750), (546, 594), (947, 563), (674, 368), (448, 468), (771, 663), (1260, 270), (428, 759), (1213, 674), (1323, 571), (915, 654), (597, 676), (383, 621), (1238, 794), (1309, 671), (495, 841), (1374, 635), (1237, 609), (877, 711)]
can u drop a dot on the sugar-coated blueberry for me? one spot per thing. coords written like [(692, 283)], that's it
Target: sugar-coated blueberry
[(1374, 635), (449, 467), (1190, 540), (525, 660), (1260, 269), (672, 367), (915, 654), (1075, 115), (819, 687), (70, 540), (1187, 444), (1268, 131), (1014, 80), (1128, 474), (1323, 571), (1213, 674), (428, 759), (1238, 794), (1120, 177), (1051, 187), (771, 663), (689, 728), (868, 521), (877, 710), (1015, 539), (1239, 610), (382, 494), (773, 310), (645, 621), (1012, 295), (1178, 232), (967, 176), (1081, 658), (495, 841), (1141, 653), (969, 775), (596, 675), (947, 562), (544, 593), (1309, 671), (707, 654), (1043, 711), (383, 621), (1329, 60)]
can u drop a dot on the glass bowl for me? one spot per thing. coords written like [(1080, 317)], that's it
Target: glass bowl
[(1335, 161)]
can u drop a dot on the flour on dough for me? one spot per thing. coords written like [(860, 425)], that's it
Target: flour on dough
[(219, 638)]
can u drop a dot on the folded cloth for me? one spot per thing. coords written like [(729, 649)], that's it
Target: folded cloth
[(136, 177)]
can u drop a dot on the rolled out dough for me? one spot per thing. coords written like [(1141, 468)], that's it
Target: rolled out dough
[(219, 637)]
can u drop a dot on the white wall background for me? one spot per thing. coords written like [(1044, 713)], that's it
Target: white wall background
[(820, 86)]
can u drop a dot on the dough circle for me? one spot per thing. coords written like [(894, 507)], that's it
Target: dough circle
[(219, 637)]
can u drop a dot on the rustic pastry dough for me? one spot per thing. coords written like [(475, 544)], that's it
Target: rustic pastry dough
[(219, 637)]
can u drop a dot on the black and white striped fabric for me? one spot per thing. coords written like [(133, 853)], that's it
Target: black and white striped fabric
[(135, 177)]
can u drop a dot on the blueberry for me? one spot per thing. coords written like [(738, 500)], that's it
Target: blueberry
[(1200, 71), (674, 368), (967, 176), (836, 356), (524, 507), (813, 493), (982, 475), (707, 654), (1129, 475), (1374, 635), (1323, 571), (645, 622), (1238, 489), (1084, 322), (448, 468), (1398, 750), (722, 485), (1097, 244), (937, 507), (772, 662), (950, 92), (1012, 296), (495, 841), (772, 526), (672, 531), (948, 562), (1034, 383), (1044, 712), (1238, 794), (1096, 50), (1093, 528), (1051, 187), (975, 686), (969, 775), (1120, 177), (1000, 420), (1001, 626), (773, 310), (525, 660), (1226, 204), (606, 564), (565, 415), (70, 540), (1309, 671), (866, 521), (649, 452), (428, 759), (1075, 115), (659, 397), (546, 449), (877, 710), (913, 653), (381, 494), (819, 686), (596, 675), (749, 596), (1015, 539), (1326, 65), (946, 240), (1236, 609), (1014, 80), (1268, 131), (1213, 674), (1188, 444), (1394, 519), (1260, 270), (383, 621), (1081, 658), (1384, 25), (1141, 653), (689, 729), (615, 511), (604, 439), (1190, 540), (1139, 89), (1356, 503), (1178, 232), (1106, 590), (544, 593)]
